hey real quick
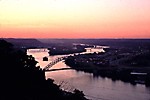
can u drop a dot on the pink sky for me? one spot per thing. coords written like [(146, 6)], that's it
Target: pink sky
[(75, 18)]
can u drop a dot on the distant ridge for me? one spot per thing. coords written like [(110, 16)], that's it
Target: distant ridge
[(108, 42), (24, 42), (31, 42)]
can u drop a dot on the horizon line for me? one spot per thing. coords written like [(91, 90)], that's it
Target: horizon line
[(70, 38)]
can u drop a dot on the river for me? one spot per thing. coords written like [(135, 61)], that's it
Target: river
[(95, 88)]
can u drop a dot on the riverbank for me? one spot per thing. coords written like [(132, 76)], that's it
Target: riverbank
[(22, 80), (60, 51), (68, 49), (94, 87), (114, 64)]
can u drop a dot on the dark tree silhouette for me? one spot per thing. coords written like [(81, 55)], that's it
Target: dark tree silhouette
[(20, 79)]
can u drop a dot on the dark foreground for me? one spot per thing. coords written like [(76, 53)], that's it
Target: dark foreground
[(21, 80)]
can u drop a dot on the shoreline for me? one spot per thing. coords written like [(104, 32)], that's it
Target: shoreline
[(106, 69)]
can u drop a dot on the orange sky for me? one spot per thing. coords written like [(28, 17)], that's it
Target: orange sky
[(74, 18)]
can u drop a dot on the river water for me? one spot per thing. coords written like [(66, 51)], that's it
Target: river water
[(95, 88)]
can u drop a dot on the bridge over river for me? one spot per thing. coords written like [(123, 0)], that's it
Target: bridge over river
[(47, 67), (52, 63), (89, 50)]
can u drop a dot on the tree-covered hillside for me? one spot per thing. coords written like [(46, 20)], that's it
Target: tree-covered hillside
[(22, 80)]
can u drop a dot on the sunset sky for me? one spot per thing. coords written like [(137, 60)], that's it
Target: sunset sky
[(74, 18)]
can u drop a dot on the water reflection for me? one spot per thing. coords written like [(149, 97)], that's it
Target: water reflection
[(96, 88)]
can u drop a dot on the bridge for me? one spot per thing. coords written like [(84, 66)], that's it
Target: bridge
[(50, 65), (58, 69), (46, 68)]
